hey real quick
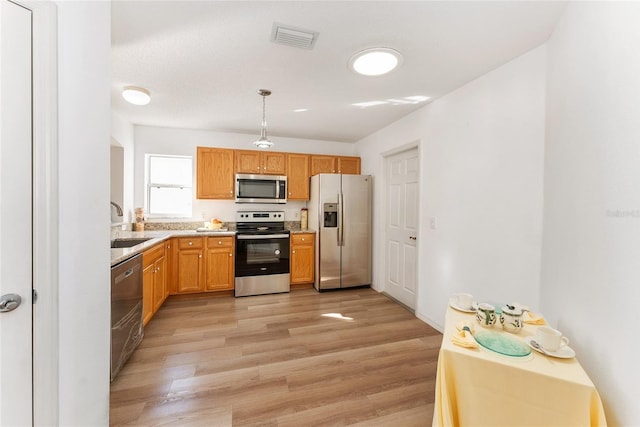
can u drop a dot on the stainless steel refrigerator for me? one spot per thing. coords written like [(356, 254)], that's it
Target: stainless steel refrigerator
[(340, 212)]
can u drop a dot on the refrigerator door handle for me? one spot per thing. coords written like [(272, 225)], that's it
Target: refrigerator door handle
[(339, 220)]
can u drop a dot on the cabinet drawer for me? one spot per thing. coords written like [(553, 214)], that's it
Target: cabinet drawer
[(302, 239), (190, 243), (151, 255), (219, 242)]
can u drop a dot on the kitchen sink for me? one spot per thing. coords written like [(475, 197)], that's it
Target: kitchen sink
[(127, 243)]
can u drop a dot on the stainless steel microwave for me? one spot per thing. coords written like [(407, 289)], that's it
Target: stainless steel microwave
[(261, 188)]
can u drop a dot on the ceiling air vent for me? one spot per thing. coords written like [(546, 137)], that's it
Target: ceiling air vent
[(291, 36)]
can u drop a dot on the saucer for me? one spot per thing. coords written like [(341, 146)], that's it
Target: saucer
[(452, 304), (564, 352)]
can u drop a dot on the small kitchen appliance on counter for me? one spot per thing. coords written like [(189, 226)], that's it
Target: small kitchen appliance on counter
[(262, 253)]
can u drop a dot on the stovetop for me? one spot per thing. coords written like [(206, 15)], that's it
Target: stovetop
[(260, 222)]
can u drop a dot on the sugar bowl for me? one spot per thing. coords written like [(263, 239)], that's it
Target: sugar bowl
[(511, 319)]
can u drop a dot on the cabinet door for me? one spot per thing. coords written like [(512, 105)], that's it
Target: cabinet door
[(189, 265), (159, 283), (323, 164), (248, 161), (298, 177), (147, 293), (274, 163), (302, 258), (219, 276), (349, 165), (214, 173)]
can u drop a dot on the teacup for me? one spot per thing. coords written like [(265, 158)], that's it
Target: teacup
[(550, 339), (486, 314), (464, 301)]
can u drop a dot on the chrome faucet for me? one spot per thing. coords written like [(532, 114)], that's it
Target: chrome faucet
[(118, 208)]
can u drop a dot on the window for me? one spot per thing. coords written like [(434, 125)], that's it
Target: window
[(169, 185)]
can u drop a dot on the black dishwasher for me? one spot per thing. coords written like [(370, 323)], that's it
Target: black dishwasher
[(126, 311)]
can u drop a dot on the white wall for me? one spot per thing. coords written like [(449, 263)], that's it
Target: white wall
[(122, 133), (84, 40), (591, 246), (481, 151), (156, 140)]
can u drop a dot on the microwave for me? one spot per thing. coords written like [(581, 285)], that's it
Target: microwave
[(261, 188)]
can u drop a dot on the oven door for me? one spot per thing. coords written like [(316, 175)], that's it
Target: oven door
[(260, 255)]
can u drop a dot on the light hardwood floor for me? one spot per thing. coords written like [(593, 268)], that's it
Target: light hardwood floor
[(350, 357)]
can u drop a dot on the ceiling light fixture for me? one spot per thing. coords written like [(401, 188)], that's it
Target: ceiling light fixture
[(375, 61), (263, 141), (136, 95)]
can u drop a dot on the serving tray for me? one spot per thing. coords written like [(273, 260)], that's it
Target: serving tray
[(502, 343)]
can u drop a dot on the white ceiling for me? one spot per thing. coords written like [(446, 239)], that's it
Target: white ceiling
[(204, 61)]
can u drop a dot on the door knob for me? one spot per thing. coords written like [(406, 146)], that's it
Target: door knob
[(9, 302)]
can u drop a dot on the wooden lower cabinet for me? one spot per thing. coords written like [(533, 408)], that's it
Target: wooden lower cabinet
[(220, 264), (302, 258), (203, 264), (154, 283), (189, 264)]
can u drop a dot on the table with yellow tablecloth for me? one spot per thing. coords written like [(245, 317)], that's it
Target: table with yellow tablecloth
[(476, 386)]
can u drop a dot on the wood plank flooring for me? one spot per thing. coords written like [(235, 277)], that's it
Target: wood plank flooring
[(350, 357)]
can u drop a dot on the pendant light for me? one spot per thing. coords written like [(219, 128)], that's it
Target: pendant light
[(263, 142)]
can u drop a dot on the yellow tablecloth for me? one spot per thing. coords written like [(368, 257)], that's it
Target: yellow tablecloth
[(478, 387)]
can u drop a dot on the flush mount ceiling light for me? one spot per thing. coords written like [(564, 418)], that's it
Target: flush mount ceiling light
[(263, 141), (136, 95), (375, 61)]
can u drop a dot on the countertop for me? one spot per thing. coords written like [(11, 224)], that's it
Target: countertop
[(157, 236), (121, 254)]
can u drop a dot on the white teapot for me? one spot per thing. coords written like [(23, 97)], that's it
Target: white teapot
[(511, 319)]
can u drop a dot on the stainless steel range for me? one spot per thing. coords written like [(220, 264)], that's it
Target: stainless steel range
[(262, 253)]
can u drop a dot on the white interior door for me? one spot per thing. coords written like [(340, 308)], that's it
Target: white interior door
[(15, 214), (402, 226)]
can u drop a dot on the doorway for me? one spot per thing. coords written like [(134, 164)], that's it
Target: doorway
[(402, 225)]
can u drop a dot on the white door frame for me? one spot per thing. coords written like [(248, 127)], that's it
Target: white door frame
[(385, 157), (45, 211)]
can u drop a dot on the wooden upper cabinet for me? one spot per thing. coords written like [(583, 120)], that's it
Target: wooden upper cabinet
[(260, 162), (214, 173), (333, 164), (349, 165), (298, 176), (322, 164), (274, 163), (247, 161)]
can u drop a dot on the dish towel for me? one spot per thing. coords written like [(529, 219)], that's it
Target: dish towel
[(463, 338), (533, 318)]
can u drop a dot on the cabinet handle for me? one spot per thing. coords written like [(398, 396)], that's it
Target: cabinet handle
[(230, 254), (219, 242), (190, 243), (293, 252), (303, 239), (199, 256)]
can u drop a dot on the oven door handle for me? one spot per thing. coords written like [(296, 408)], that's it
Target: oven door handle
[(261, 236)]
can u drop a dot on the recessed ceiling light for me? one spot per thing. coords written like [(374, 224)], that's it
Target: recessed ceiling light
[(136, 95), (300, 110), (375, 61)]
